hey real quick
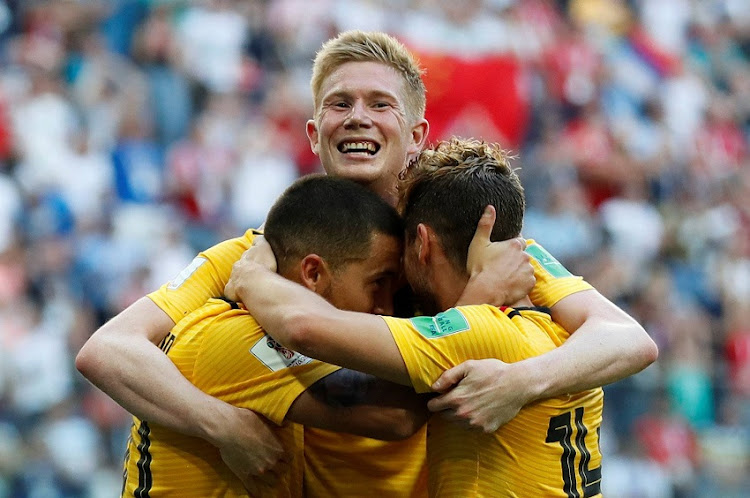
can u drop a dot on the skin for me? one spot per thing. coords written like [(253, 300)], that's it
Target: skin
[(302, 321), (246, 444), (381, 409), (363, 102), (607, 343)]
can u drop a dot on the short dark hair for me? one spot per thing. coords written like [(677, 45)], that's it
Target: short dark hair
[(334, 218), (449, 184)]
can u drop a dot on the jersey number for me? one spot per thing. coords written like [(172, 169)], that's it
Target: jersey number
[(560, 430)]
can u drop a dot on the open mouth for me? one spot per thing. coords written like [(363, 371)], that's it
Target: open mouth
[(359, 147)]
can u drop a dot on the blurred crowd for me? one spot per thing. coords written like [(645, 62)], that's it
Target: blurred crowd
[(135, 133)]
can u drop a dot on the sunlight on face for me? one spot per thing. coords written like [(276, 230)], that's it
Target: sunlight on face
[(367, 285), (361, 130)]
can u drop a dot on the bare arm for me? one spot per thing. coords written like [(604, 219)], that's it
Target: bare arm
[(358, 403), (122, 359), (607, 345), (305, 322), (143, 379)]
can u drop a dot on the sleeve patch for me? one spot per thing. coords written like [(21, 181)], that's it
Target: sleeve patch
[(547, 261), (181, 277), (448, 322), (275, 356)]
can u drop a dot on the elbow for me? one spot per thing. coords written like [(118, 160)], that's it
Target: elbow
[(297, 332), (410, 426), (86, 359), (404, 425), (650, 351), (644, 350)]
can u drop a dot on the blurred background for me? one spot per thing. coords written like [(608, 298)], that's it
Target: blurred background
[(135, 133)]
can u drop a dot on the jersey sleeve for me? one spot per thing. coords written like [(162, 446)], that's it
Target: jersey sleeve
[(553, 281), (430, 345), (203, 278), (243, 366)]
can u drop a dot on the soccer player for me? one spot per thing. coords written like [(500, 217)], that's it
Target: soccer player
[(551, 448), (368, 122), (341, 241)]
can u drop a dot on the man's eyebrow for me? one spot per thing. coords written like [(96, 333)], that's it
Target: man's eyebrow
[(371, 94), (337, 94)]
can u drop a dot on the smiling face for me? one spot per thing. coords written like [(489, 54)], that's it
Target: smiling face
[(362, 129)]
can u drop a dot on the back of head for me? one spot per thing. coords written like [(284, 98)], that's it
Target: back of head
[(332, 217), (448, 186), (371, 46)]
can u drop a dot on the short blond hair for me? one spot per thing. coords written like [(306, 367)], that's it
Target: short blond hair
[(371, 46)]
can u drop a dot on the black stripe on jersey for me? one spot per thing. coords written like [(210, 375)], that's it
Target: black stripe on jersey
[(125, 465), (512, 312), (145, 479), (233, 304), (540, 309)]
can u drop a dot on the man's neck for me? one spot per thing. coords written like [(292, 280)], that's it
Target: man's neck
[(448, 286)]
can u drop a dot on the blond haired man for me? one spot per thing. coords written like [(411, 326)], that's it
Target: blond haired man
[(368, 123)]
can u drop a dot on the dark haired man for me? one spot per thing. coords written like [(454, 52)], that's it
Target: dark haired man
[(551, 447), (341, 241), (368, 121)]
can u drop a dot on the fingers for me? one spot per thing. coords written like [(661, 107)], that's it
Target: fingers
[(273, 475), (440, 403), (484, 228), (268, 477), (262, 253), (450, 378), (230, 291)]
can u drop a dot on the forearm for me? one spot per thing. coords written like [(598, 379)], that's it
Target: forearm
[(280, 305), (595, 355), (122, 360), (361, 404), (302, 320)]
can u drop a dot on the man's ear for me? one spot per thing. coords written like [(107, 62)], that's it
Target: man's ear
[(418, 137), (315, 274), (425, 241), (312, 135)]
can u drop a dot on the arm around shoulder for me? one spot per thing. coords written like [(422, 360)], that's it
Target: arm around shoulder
[(123, 360), (606, 345), (357, 403)]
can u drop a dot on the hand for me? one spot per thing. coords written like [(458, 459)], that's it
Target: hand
[(481, 394), (260, 254), (252, 451), (500, 272)]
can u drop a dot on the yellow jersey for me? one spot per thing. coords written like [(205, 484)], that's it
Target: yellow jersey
[(204, 278), (553, 280), (223, 351), (337, 464), (551, 448)]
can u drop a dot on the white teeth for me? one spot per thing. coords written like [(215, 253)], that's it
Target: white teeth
[(358, 146)]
